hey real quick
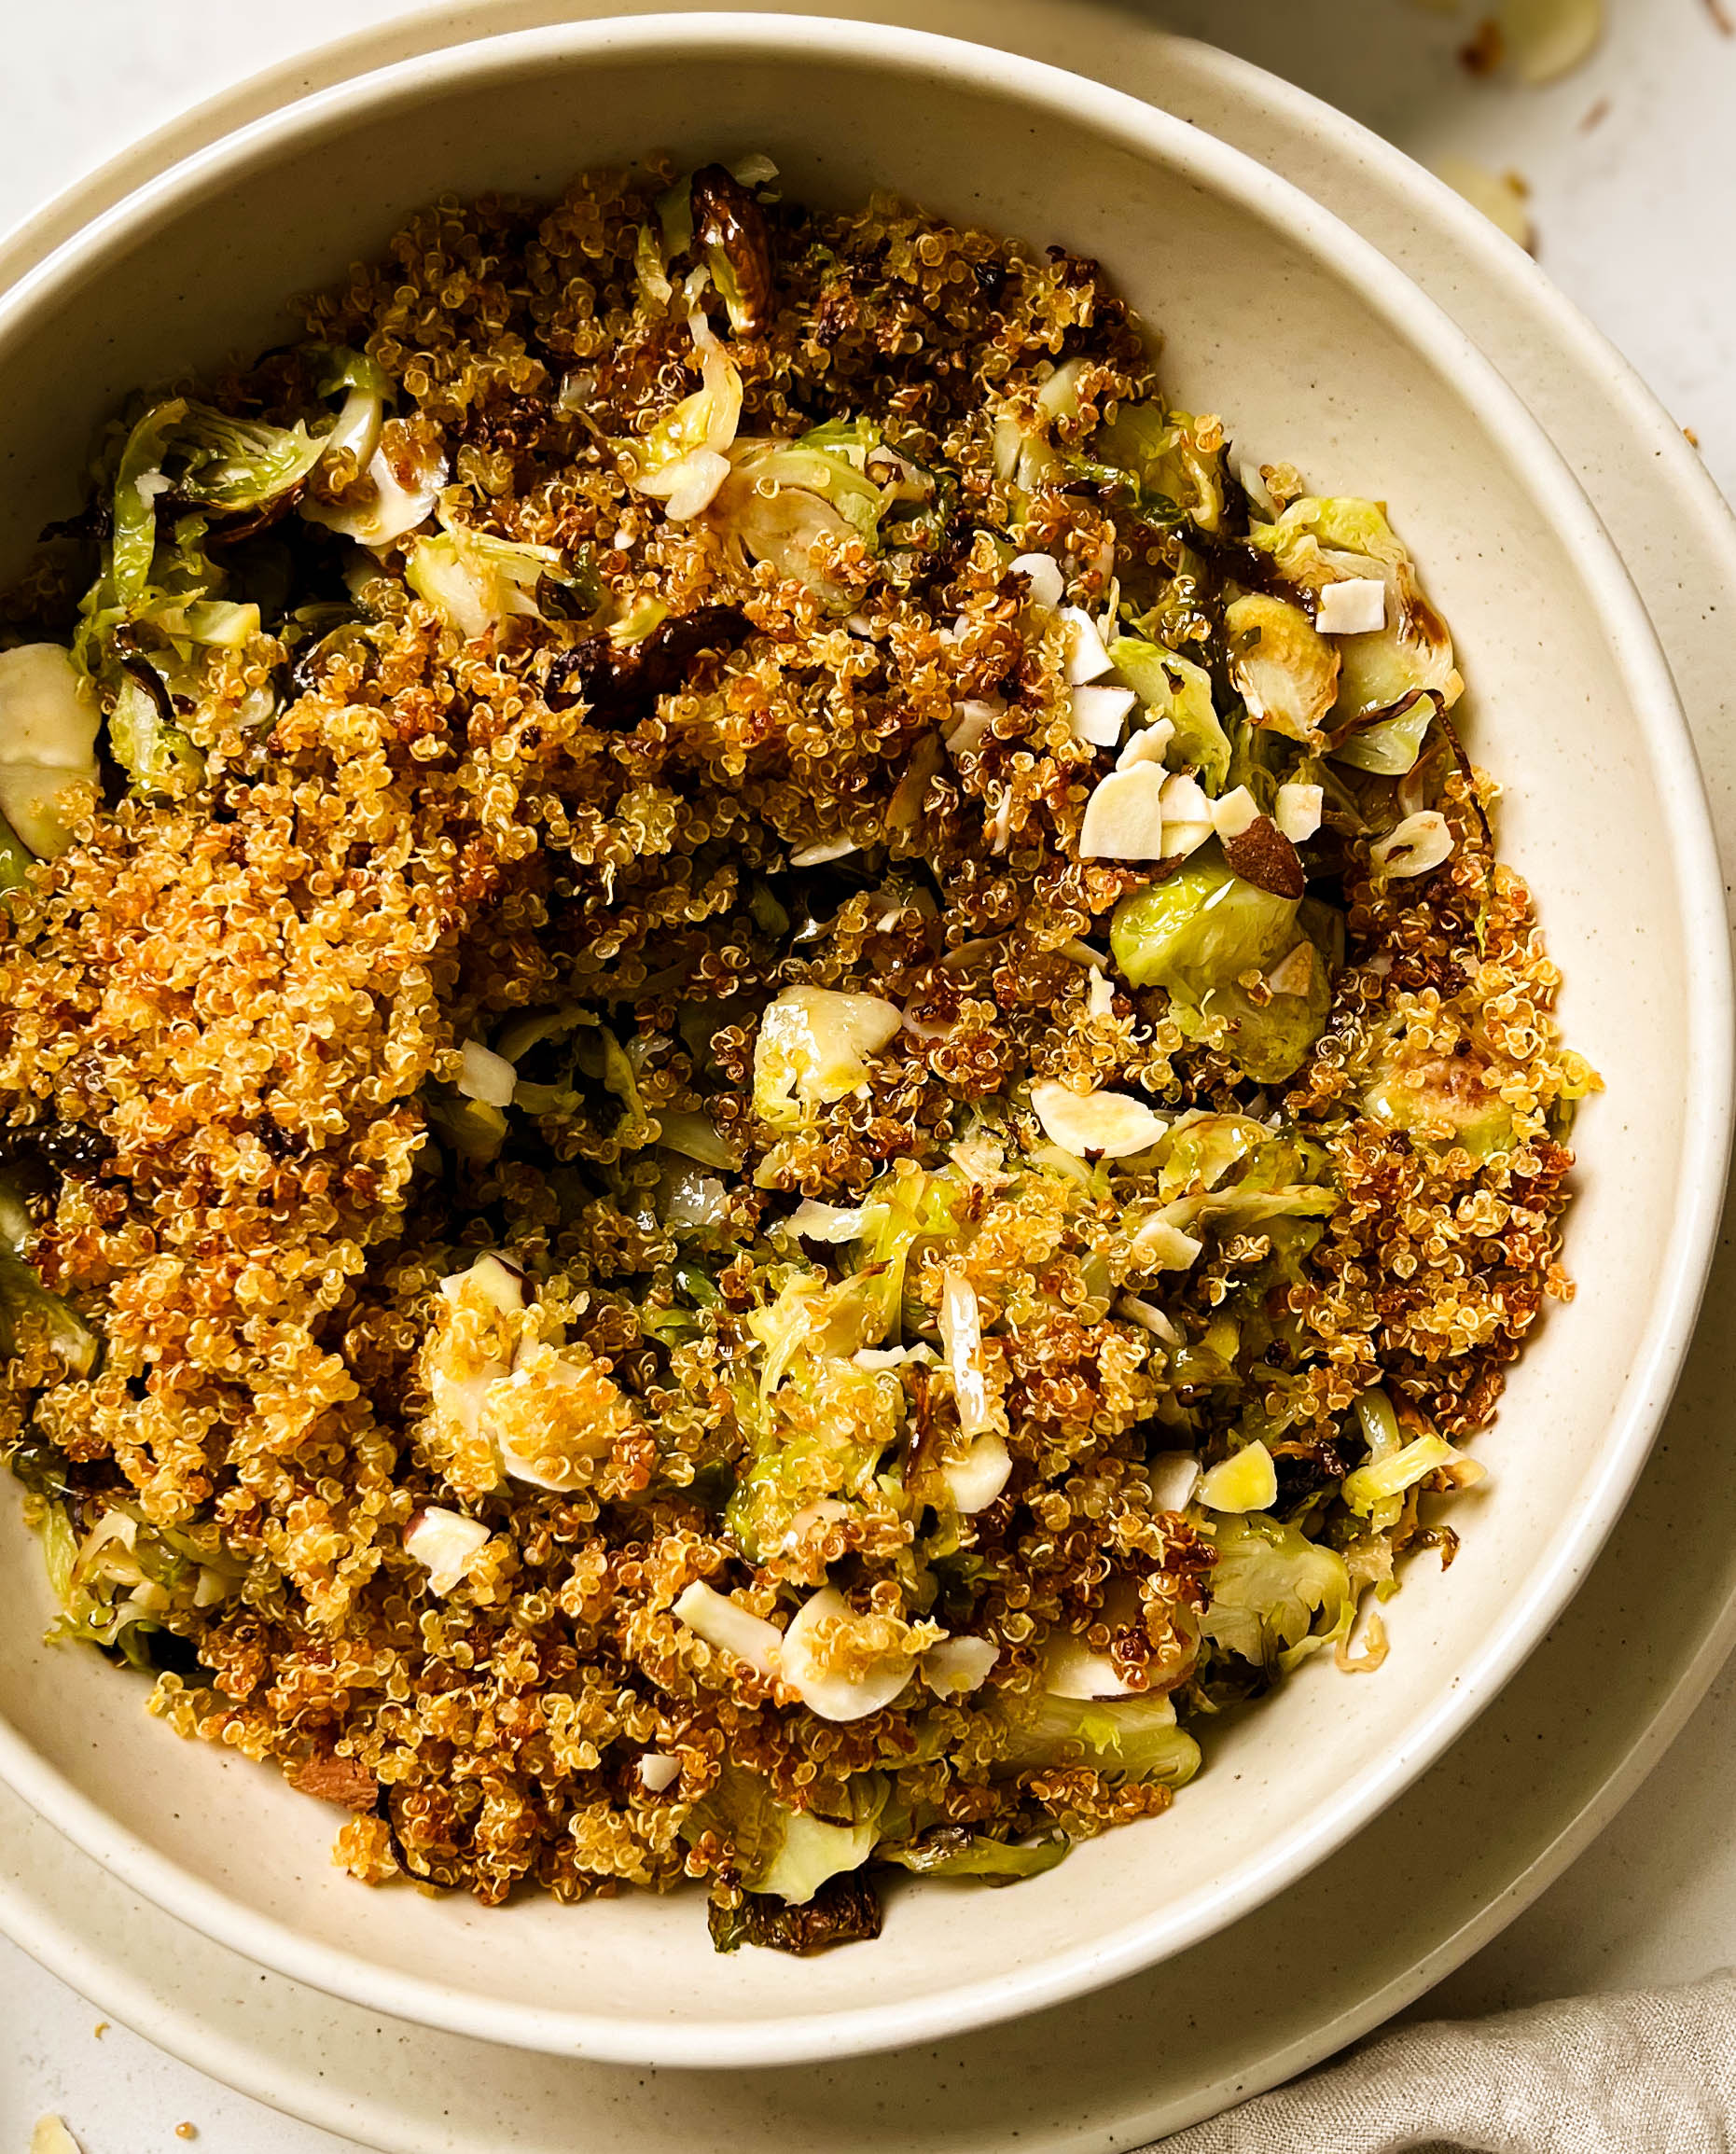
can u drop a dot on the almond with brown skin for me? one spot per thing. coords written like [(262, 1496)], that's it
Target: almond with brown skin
[(333, 1779), (1263, 855)]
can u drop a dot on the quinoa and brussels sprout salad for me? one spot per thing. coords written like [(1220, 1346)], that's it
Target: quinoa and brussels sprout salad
[(766, 1090)]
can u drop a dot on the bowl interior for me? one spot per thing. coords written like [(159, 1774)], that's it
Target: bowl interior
[(1268, 317)]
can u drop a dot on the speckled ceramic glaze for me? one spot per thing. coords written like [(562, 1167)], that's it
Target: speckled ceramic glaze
[(1316, 349)]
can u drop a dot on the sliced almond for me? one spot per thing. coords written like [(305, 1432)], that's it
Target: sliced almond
[(975, 1481), (1098, 715), (957, 1666), (1420, 844), (445, 1543), (1085, 658), (486, 1076), (833, 1696), (658, 1772), (1175, 1477), (1296, 812), (817, 855), (503, 1283), (1355, 607), (714, 1617), (1181, 838), (1072, 1670), (1186, 817), (1043, 579), (1235, 812), (1149, 1317), (1149, 745), (1124, 816), (975, 717), (1113, 1125), (1184, 801)]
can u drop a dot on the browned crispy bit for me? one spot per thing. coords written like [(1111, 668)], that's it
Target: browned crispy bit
[(844, 1910), (731, 224), (1485, 49), (622, 683)]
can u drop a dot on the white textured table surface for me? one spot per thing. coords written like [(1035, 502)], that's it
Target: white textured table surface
[(1632, 212)]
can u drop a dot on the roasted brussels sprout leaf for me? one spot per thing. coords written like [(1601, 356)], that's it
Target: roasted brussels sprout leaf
[(1137, 1736), (1389, 747), (1284, 672), (1318, 542), (782, 1854), (28, 1310), (951, 1850), (731, 228), (1276, 1595), (1439, 1101), (1200, 929), (1175, 688), (1173, 473), (144, 739), (1239, 975), (47, 751), (844, 1910)]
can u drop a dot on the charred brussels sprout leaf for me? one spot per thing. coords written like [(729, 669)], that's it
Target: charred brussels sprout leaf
[(844, 1910), (951, 1851), (780, 1854), (1317, 542), (199, 456), (1167, 473), (731, 228), (1390, 747), (1284, 672), (144, 739)]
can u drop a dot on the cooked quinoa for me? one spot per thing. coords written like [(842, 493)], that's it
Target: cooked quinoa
[(767, 1090)]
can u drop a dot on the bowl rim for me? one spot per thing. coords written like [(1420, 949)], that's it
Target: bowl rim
[(1697, 895)]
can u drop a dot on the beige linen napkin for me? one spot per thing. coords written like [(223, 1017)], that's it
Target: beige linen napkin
[(1650, 2072)]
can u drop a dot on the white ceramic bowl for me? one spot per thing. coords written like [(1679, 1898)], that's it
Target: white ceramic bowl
[(1317, 350)]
